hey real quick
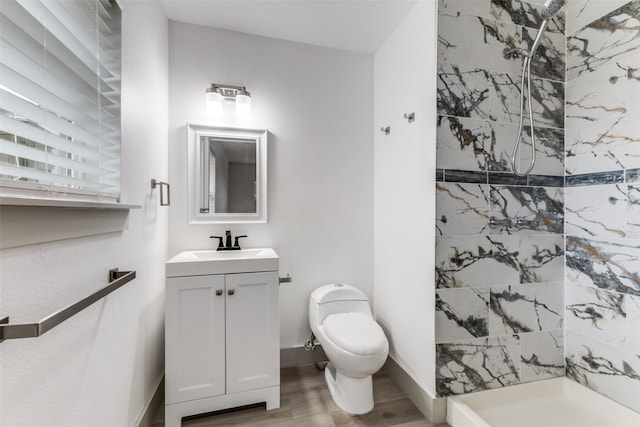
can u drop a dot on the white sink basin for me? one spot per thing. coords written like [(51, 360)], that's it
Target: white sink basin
[(199, 263)]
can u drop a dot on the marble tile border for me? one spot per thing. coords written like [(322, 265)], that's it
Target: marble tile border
[(475, 177)]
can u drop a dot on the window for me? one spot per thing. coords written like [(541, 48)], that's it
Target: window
[(60, 99)]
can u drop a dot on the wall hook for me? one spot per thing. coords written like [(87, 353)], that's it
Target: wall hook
[(386, 130), (411, 117)]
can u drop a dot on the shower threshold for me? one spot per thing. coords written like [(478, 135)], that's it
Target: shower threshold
[(558, 402)]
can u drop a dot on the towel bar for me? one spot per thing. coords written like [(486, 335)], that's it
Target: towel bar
[(32, 330)]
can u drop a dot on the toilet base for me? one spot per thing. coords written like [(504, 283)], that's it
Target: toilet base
[(352, 395)]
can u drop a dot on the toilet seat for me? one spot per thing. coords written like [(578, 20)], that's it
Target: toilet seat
[(356, 333)]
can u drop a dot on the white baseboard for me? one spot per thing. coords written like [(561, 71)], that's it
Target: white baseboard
[(434, 409), (146, 418)]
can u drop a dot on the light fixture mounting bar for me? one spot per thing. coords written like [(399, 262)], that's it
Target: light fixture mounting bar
[(228, 91)]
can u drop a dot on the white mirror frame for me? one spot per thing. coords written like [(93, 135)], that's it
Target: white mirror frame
[(194, 154)]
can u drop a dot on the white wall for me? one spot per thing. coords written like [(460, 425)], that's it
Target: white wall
[(101, 367), (404, 192), (316, 102)]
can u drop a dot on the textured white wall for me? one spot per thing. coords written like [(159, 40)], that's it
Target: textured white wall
[(404, 192), (317, 104), (101, 367)]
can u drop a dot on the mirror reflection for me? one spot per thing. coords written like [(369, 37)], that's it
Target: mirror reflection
[(228, 175)]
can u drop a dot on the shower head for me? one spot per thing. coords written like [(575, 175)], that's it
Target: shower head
[(552, 7)]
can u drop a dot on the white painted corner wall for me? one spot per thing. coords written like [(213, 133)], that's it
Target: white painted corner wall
[(317, 104), (101, 367), (404, 192)]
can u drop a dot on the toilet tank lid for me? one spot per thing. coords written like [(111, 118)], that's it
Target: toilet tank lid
[(337, 292)]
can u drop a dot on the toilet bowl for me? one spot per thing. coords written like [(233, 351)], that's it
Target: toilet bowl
[(341, 320)]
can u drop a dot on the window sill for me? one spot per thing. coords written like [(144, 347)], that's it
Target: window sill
[(61, 203)]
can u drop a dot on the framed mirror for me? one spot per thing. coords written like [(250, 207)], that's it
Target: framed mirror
[(227, 174)]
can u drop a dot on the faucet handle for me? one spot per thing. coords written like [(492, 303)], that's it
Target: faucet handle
[(237, 245), (220, 245)]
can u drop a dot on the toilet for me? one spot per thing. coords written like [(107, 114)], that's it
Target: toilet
[(342, 322)]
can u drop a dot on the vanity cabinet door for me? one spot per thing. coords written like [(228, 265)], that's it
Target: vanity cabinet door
[(195, 338), (253, 331)]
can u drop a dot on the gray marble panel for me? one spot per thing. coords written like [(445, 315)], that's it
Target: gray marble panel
[(526, 308), (595, 312), (464, 143), (580, 13), (609, 370), (541, 355), (549, 150), (461, 208), (603, 145), (481, 44), (524, 13), (612, 265), (476, 261), (596, 211), (541, 258), (478, 364), (476, 93), (532, 210), (549, 59), (597, 95), (461, 314), (464, 8), (603, 41)]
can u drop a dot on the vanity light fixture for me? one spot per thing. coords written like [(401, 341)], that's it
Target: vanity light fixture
[(216, 94)]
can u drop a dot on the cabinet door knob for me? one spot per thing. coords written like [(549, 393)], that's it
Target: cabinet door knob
[(231, 291), (218, 292)]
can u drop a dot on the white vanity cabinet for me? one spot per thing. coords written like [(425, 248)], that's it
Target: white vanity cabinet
[(222, 345)]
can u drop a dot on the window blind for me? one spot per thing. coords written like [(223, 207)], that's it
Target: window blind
[(60, 97)]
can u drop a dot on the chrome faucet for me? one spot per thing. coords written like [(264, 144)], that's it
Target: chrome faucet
[(228, 246)]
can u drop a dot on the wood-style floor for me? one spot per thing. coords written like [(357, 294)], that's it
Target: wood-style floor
[(305, 402)]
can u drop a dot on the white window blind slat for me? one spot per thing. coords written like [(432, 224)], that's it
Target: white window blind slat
[(25, 152), (28, 110), (84, 101), (41, 136), (60, 97), (38, 95)]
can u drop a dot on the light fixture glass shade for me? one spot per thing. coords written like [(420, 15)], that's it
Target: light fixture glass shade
[(214, 102), (243, 105)]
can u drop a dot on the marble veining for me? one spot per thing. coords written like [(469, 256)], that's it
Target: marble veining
[(541, 258), (604, 41), (596, 211), (596, 312), (607, 369), (539, 209), (523, 13), (482, 94), (461, 208), (542, 355), (612, 265), (633, 323), (477, 364), (598, 178), (461, 314), (526, 308), (476, 261)]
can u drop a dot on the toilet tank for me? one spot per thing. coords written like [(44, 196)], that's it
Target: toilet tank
[(336, 298)]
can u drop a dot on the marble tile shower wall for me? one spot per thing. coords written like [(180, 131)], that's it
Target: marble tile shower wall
[(602, 198), (500, 248)]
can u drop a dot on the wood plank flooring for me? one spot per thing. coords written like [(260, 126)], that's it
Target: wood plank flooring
[(305, 402)]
